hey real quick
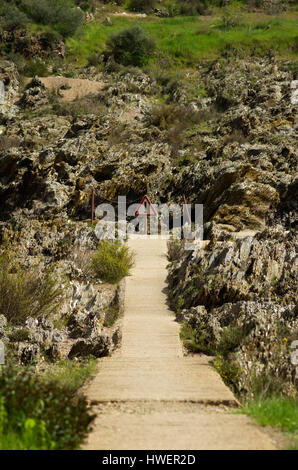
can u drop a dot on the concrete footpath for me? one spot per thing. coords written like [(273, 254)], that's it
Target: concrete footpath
[(148, 395)]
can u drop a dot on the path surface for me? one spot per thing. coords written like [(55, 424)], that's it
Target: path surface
[(149, 395)]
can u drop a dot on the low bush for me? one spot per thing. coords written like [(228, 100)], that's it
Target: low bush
[(35, 67), (79, 107), (19, 335), (112, 261), (141, 5), (11, 17), (175, 120), (62, 15), (197, 341), (167, 115), (235, 136), (85, 5), (194, 7), (265, 386), (231, 17), (111, 316), (231, 338), (228, 370), (26, 292), (38, 414), (175, 250), (131, 46)]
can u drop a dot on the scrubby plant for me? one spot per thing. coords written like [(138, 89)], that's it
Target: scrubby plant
[(11, 17), (112, 261), (228, 370), (175, 250), (236, 136), (175, 120), (197, 340), (21, 334), (26, 292), (35, 67), (60, 14), (39, 414), (166, 115), (78, 107), (194, 7), (231, 16), (69, 374), (131, 46), (111, 315), (141, 5), (231, 338)]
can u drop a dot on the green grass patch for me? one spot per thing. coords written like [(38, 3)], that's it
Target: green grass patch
[(187, 40), (280, 412), (70, 374)]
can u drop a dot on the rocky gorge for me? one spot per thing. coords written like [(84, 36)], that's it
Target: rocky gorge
[(233, 149)]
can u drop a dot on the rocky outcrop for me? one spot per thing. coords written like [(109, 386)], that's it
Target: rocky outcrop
[(246, 175), (46, 44), (237, 158), (34, 95), (252, 268), (239, 297)]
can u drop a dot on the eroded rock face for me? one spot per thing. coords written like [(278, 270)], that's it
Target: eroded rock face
[(98, 346), (264, 266), (239, 297), (241, 163), (246, 175)]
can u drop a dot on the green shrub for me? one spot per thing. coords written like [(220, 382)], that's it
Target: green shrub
[(265, 386), (111, 316), (167, 115), (231, 17), (197, 341), (25, 292), (231, 338), (36, 414), (194, 7), (50, 38), (78, 107), (11, 17), (85, 5), (35, 67), (112, 261), (19, 335), (228, 370), (141, 5), (60, 14), (131, 46), (93, 59)]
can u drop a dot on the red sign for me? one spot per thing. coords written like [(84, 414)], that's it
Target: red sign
[(145, 205)]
